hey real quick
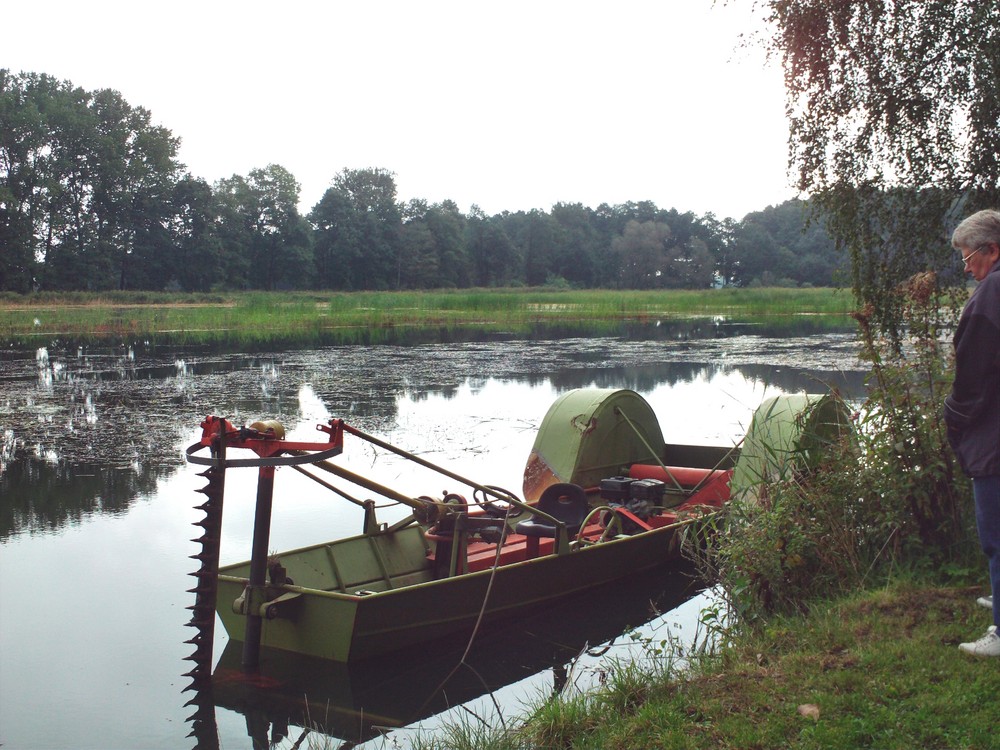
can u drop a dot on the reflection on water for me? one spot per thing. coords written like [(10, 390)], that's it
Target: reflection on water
[(97, 506), (562, 649), (42, 494), (112, 408)]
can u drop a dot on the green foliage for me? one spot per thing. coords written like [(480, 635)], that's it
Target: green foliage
[(902, 92), (781, 246), (892, 236), (905, 428), (641, 249), (894, 110), (86, 186), (468, 734), (895, 119), (267, 243), (889, 496), (92, 198), (792, 532)]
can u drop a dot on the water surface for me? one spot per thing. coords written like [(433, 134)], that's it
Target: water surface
[(97, 507)]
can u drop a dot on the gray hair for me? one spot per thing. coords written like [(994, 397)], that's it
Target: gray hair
[(982, 228)]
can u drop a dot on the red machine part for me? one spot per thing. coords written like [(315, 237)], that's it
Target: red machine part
[(266, 439)]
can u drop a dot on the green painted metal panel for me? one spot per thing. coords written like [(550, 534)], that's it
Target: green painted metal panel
[(322, 623), (590, 434), (788, 433), (346, 627)]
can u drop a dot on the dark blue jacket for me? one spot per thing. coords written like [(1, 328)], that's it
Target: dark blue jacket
[(972, 411)]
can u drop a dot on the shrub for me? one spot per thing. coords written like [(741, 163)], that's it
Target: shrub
[(889, 495)]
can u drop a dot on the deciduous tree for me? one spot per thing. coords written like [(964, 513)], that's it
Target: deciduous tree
[(371, 193), (495, 259), (336, 241), (642, 253), (894, 108), (265, 222)]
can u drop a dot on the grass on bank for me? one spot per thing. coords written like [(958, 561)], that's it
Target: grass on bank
[(205, 318), (877, 669)]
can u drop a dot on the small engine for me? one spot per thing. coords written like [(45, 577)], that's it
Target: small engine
[(642, 498)]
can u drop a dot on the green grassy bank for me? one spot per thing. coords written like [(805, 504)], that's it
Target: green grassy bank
[(261, 317), (878, 669)]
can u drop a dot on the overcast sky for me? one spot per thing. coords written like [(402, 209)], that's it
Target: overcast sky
[(507, 105)]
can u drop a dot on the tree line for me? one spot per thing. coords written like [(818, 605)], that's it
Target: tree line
[(93, 197)]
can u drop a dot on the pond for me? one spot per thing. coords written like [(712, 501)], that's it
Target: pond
[(97, 512)]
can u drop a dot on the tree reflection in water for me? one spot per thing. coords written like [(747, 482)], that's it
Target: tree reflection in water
[(86, 433)]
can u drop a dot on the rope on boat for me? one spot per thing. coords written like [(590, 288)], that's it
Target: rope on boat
[(479, 620)]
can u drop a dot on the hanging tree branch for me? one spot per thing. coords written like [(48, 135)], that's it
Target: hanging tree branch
[(894, 114)]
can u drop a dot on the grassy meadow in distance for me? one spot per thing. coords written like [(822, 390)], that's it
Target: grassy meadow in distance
[(347, 317)]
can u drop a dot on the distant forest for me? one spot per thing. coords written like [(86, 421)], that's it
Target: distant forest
[(92, 197)]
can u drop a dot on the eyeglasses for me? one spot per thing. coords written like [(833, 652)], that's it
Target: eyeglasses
[(967, 258)]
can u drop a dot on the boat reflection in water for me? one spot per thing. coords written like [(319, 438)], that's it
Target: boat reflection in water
[(356, 702)]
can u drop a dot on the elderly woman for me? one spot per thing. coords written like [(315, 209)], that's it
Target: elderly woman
[(972, 411)]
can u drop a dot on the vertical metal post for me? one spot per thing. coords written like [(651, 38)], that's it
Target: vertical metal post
[(258, 567)]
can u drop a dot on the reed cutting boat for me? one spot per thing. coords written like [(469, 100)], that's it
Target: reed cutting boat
[(604, 496)]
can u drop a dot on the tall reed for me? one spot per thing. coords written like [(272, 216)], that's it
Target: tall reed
[(335, 316)]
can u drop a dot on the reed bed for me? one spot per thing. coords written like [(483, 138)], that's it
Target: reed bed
[(332, 317)]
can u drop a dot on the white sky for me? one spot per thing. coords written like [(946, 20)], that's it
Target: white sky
[(508, 105)]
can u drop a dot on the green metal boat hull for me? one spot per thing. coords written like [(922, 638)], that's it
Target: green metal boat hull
[(348, 626)]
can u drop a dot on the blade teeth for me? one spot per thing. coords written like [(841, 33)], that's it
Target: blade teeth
[(205, 590)]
